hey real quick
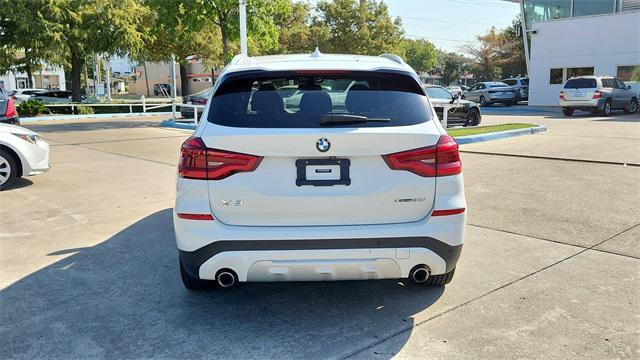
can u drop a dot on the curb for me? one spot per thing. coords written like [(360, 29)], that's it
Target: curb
[(499, 135), (89, 116), (177, 125)]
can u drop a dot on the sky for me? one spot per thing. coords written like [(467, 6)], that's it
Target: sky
[(450, 23)]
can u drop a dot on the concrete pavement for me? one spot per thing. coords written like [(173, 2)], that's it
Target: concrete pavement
[(88, 267)]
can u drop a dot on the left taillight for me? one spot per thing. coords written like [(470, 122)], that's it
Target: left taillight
[(11, 108), (200, 163), (443, 159)]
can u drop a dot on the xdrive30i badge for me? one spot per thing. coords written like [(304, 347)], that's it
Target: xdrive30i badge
[(323, 145)]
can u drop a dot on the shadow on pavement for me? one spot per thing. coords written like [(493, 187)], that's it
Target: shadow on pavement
[(123, 299), (90, 125), (18, 184)]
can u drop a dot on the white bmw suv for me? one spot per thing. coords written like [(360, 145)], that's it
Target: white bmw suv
[(352, 179)]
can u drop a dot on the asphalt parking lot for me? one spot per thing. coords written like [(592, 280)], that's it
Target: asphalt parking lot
[(550, 268)]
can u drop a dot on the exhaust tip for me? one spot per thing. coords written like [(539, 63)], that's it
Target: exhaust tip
[(226, 278), (420, 274)]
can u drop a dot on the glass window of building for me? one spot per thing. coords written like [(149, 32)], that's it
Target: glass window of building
[(555, 76), (581, 71), (628, 73), (593, 7), (543, 10)]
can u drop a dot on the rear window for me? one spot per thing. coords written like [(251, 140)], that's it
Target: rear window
[(511, 82), (580, 84), (303, 99), (497, 85), (524, 81)]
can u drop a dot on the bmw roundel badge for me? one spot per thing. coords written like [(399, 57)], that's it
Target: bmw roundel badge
[(323, 145)]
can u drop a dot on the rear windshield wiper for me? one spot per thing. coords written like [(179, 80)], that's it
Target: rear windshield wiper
[(329, 119)]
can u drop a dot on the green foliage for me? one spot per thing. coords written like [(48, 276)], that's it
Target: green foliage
[(420, 54), (31, 107), (355, 27), (498, 53), (451, 67), (84, 110), (293, 28)]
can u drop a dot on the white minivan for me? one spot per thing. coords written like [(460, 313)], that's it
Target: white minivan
[(355, 180)]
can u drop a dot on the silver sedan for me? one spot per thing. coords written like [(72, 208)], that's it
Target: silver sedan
[(488, 93)]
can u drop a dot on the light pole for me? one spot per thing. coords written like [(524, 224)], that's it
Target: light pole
[(243, 27)]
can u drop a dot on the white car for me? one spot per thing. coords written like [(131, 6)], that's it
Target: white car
[(22, 153), (26, 94), (455, 90), (368, 188)]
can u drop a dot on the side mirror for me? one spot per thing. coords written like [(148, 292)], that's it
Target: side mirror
[(454, 98)]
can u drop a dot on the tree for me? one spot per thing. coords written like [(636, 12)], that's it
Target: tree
[(451, 67), (486, 56), (511, 52), (355, 27), (180, 28), (293, 28), (80, 28), (498, 53), (420, 54), (261, 28), (27, 37)]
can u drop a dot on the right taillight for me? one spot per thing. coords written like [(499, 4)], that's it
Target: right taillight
[(442, 159), (561, 95), (200, 163), (597, 94), (11, 108)]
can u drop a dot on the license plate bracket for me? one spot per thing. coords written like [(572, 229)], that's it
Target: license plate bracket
[(343, 164)]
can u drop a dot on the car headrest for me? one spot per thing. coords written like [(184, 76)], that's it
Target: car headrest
[(359, 99), (315, 102), (267, 100)]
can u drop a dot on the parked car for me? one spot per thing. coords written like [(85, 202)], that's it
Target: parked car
[(488, 93), (162, 89), (25, 94), (521, 87), (466, 113), (320, 191), (8, 113), (597, 94), (22, 153), (53, 97), (199, 98), (455, 90)]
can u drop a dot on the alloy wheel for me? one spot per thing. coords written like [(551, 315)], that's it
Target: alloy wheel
[(633, 107), (5, 170)]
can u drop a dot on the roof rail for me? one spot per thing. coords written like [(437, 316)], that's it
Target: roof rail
[(393, 57)]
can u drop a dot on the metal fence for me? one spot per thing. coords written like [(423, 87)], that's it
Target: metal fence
[(146, 107)]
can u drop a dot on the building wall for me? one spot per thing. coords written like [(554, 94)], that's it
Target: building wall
[(602, 41), (158, 73), (51, 77)]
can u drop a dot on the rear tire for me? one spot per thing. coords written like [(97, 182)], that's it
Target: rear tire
[(632, 108), (473, 117), (606, 109), (507, 104), (192, 283), (440, 280), (567, 111), (8, 169)]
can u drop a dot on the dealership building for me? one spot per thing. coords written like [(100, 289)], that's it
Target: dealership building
[(565, 38)]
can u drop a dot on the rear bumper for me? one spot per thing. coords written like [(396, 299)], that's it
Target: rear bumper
[(583, 104), (321, 259)]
